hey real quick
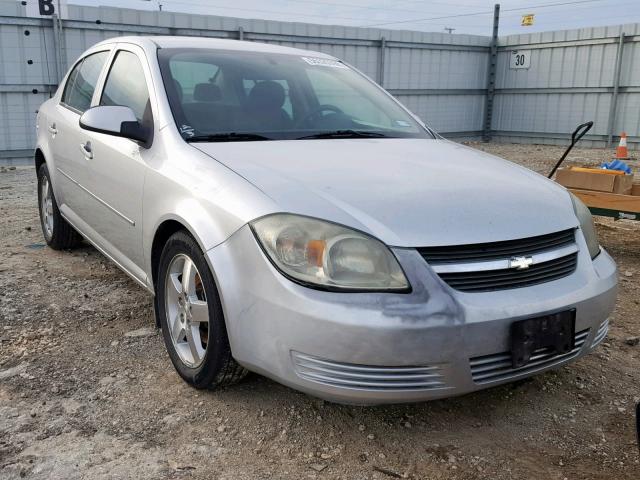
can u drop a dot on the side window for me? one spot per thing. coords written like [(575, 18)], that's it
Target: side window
[(126, 85), (82, 81)]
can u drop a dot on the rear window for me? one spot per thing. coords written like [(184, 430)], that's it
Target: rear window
[(82, 81)]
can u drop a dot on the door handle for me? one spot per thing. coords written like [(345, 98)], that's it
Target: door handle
[(52, 129), (86, 150)]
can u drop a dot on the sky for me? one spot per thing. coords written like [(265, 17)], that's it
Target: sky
[(465, 16)]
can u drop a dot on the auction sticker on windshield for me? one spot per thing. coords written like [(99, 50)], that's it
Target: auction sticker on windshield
[(324, 62)]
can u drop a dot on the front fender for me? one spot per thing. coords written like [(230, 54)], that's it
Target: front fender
[(207, 198)]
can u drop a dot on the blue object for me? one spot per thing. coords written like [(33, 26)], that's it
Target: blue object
[(617, 165)]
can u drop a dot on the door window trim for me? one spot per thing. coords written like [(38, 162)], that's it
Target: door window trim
[(146, 70), (98, 81)]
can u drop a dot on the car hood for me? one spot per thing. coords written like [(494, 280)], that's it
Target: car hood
[(406, 192)]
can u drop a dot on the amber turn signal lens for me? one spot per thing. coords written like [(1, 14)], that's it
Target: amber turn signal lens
[(315, 252)]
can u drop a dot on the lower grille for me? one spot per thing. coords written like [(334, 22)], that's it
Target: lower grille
[(603, 329), (497, 367), (364, 377), (489, 280)]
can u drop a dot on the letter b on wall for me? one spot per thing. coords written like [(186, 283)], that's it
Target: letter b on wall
[(46, 7)]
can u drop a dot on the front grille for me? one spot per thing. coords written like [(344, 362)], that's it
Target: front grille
[(497, 367), (365, 377), (489, 280), (497, 250), (485, 267)]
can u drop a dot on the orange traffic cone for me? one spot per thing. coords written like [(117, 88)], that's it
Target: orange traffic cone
[(621, 151)]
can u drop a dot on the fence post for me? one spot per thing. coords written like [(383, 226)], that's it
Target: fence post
[(491, 77), (56, 50), (57, 47), (383, 47), (614, 95)]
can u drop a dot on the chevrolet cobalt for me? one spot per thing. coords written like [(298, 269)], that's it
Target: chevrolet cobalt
[(293, 219)]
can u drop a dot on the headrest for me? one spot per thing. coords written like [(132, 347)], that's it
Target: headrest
[(207, 92), (268, 95)]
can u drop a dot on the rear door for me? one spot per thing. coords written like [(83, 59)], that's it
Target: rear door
[(116, 169), (65, 136)]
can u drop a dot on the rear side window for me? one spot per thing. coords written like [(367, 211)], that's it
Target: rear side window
[(82, 82), (126, 85)]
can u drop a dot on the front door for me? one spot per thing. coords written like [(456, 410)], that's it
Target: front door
[(116, 169)]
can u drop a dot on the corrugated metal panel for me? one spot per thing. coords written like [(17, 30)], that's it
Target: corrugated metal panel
[(550, 113), (17, 49), (447, 113), (579, 65), (422, 68), (18, 112)]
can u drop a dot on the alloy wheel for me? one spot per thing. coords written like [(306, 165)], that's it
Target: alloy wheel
[(187, 310), (46, 207)]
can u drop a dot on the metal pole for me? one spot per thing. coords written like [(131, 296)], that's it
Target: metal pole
[(491, 78), (614, 95), (383, 47), (240, 33), (56, 48)]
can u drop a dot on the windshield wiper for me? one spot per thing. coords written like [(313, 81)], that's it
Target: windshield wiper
[(227, 137), (345, 134)]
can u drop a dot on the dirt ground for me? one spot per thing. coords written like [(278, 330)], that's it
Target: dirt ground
[(88, 391)]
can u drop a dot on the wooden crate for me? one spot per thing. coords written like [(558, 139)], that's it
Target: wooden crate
[(610, 204)]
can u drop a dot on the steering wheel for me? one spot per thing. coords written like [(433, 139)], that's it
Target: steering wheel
[(317, 112)]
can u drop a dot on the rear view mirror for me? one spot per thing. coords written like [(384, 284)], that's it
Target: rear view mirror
[(114, 120)]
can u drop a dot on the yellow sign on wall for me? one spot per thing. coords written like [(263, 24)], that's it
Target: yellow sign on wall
[(527, 20)]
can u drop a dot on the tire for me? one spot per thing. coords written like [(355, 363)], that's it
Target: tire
[(190, 314), (57, 232)]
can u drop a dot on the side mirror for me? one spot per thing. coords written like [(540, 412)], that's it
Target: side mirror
[(115, 120)]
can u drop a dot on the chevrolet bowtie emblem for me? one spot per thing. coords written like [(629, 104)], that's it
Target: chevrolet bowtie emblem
[(520, 263)]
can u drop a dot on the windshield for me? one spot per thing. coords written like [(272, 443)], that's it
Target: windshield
[(218, 95)]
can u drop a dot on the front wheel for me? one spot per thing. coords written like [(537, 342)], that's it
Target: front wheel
[(191, 317), (57, 232)]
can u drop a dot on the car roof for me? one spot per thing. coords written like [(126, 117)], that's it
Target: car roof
[(213, 43)]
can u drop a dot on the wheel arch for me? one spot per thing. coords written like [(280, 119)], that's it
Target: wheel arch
[(165, 229), (162, 233), (39, 158)]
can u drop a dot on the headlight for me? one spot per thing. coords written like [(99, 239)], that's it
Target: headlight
[(315, 252), (586, 225)]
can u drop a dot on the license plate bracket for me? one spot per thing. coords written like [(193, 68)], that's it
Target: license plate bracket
[(555, 332)]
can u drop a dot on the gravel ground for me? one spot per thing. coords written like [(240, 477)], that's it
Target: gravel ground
[(87, 389)]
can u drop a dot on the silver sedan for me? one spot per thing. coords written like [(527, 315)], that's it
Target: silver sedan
[(291, 218)]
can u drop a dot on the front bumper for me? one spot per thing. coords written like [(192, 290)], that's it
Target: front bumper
[(370, 348)]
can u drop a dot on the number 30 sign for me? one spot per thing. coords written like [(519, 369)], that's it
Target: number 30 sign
[(520, 59)]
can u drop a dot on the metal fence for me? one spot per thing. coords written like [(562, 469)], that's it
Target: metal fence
[(440, 77), (574, 76), (569, 76)]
